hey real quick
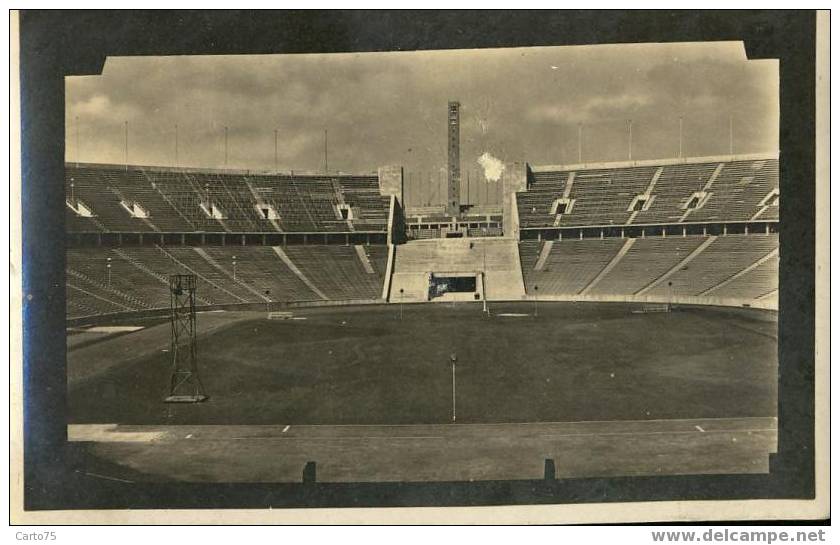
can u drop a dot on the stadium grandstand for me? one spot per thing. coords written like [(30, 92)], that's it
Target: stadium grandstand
[(695, 231)]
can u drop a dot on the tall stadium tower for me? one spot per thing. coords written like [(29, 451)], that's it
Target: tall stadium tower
[(454, 172)]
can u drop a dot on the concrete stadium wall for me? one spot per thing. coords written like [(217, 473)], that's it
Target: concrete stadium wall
[(677, 300), (256, 307), (515, 178), (391, 181), (130, 316)]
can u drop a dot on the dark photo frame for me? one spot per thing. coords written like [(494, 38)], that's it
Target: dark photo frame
[(55, 44)]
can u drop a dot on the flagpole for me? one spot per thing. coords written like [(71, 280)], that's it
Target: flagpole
[(681, 137), (126, 146), (580, 142)]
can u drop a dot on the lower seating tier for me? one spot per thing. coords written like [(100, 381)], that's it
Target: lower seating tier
[(110, 280)]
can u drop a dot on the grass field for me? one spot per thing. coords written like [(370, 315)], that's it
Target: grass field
[(365, 365)]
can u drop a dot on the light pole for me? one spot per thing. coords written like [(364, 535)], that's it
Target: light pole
[(483, 278), (401, 303), (536, 288), (670, 294), (108, 267), (234, 268), (453, 358)]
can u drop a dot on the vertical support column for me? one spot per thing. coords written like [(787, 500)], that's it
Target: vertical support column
[(453, 192)]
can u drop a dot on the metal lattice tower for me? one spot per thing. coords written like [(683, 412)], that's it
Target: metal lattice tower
[(184, 384)]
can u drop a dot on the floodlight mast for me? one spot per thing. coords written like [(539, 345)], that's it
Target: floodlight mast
[(184, 384)]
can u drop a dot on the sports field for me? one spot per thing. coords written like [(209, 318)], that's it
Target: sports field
[(367, 365)]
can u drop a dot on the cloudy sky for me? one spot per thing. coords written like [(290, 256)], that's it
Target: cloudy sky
[(390, 108)]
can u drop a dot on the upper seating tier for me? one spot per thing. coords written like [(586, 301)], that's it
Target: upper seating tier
[(729, 190), (180, 200)]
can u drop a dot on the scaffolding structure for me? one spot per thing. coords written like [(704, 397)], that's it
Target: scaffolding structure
[(184, 384)]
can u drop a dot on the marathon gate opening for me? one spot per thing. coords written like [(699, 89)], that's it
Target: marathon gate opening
[(456, 286)]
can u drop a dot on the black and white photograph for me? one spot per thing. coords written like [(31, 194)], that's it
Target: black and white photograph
[(349, 276)]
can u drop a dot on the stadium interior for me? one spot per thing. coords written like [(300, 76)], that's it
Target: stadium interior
[(602, 318), (692, 231)]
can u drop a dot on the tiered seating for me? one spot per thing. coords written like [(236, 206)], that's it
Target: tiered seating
[(738, 190), (674, 187), (721, 270), (534, 205), (602, 196), (378, 257), (362, 194), (186, 192), (173, 200), (261, 268), (756, 283), (337, 271), (139, 276), (84, 302), (88, 268), (134, 185), (79, 224), (645, 261), (723, 258), (161, 264), (570, 267), (100, 192), (218, 277)]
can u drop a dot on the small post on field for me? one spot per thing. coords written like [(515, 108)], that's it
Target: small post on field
[(670, 294), (453, 358), (484, 277), (536, 288), (401, 303)]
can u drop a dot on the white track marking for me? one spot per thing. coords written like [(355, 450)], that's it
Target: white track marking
[(107, 477), (114, 328), (286, 429), (684, 420), (700, 429)]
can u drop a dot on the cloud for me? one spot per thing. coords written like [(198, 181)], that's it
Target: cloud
[(594, 108), (390, 107), (100, 106), (493, 167)]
